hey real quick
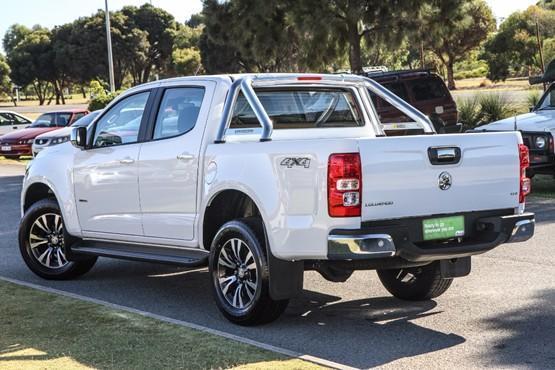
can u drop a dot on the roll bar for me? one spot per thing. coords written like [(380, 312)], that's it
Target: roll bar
[(245, 85)]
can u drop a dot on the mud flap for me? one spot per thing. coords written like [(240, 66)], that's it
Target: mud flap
[(453, 268), (286, 278)]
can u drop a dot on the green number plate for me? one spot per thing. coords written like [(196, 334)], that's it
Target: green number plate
[(443, 228)]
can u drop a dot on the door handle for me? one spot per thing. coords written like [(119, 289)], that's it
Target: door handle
[(185, 157), (127, 161)]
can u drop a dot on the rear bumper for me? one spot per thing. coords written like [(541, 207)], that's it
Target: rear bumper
[(401, 239)]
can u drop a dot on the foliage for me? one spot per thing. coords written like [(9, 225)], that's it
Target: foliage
[(32, 61), (494, 107), (514, 48), (484, 108), (453, 28), (186, 57), (533, 98), (5, 82), (337, 26), (275, 46), (101, 101), (469, 113)]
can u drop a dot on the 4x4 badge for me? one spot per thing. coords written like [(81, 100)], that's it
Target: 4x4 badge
[(445, 180)]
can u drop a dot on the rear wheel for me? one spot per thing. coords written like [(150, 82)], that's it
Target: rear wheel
[(14, 157), (43, 241), (415, 283), (240, 274)]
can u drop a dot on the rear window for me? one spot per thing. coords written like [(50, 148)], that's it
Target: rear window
[(301, 108), (428, 89), (397, 88)]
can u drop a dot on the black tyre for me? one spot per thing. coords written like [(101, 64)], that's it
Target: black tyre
[(43, 240), (240, 274), (415, 283), (14, 157)]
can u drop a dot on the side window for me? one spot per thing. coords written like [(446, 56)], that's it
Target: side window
[(78, 116), (120, 125), (178, 111), (5, 119), (20, 119)]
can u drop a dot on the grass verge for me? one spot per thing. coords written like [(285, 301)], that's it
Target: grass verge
[(41, 330)]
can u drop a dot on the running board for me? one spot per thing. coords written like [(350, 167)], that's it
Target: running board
[(140, 252)]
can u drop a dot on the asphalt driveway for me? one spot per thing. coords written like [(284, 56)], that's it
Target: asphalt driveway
[(502, 315)]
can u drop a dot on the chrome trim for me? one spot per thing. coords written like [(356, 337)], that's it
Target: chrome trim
[(522, 231), (371, 245)]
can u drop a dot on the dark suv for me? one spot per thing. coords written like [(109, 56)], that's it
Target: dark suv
[(422, 89)]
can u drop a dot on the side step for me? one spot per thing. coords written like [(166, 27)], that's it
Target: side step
[(139, 252)]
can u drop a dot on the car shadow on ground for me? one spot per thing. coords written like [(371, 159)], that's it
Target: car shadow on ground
[(544, 208), (529, 334), (358, 333)]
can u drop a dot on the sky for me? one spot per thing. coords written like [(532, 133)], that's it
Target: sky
[(50, 13)]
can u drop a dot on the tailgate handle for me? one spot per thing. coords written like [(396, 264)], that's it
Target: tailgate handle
[(444, 155)]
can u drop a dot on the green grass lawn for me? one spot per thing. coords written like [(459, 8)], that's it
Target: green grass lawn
[(41, 330)]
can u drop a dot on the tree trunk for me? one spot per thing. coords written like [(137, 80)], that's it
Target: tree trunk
[(83, 92), (355, 58), (450, 76)]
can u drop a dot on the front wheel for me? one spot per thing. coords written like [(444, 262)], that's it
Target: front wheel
[(240, 274), (43, 242), (415, 283)]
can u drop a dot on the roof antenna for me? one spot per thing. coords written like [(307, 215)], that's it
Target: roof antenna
[(516, 127)]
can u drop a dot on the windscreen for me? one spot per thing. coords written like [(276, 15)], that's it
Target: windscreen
[(301, 108)]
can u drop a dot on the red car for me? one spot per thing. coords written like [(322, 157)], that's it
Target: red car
[(20, 143)]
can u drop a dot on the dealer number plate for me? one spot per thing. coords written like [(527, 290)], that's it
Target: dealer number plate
[(443, 227), (6, 148)]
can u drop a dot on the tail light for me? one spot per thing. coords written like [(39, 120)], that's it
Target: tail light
[(344, 185), (525, 183)]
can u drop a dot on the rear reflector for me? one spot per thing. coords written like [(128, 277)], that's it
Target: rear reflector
[(344, 185), (525, 183)]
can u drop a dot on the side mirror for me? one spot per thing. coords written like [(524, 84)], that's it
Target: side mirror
[(78, 137)]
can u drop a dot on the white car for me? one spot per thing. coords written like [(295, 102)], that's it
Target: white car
[(60, 136), (261, 177), (10, 121), (538, 133)]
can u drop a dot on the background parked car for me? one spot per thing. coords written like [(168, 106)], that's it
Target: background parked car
[(62, 135), (20, 143), (10, 121), (424, 90)]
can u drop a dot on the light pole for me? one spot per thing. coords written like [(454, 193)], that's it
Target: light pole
[(110, 58)]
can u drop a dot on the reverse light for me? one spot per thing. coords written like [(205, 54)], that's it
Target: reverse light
[(344, 185), (525, 183)]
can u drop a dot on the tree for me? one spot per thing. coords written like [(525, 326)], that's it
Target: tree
[(453, 28), (152, 30), (5, 82), (13, 36), (255, 36), (186, 58), (335, 25), (31, 62), (514, 47)]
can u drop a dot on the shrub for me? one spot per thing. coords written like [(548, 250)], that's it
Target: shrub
[(469, 114), (101, 101), (494, 107), (533, 98)]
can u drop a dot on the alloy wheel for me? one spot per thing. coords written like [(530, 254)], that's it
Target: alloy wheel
[(46, 241)]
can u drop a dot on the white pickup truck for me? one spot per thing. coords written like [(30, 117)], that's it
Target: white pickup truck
[(262, 177)]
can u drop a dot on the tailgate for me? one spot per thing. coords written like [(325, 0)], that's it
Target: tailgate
[(439, 174)]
